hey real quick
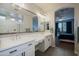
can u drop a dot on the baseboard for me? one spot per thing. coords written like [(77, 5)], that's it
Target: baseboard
[(66, 40)]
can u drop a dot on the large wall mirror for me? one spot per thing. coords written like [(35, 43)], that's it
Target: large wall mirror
[(8, 21), (14, 19)]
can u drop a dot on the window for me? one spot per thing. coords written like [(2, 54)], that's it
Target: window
[(59, 27), (64, 27)]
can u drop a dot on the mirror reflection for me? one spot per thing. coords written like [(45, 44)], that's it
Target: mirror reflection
[(14, 19)]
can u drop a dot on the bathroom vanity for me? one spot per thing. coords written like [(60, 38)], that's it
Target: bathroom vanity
[(24, 44)]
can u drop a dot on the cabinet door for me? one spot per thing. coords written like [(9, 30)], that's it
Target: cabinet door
[(17, 54), (49, 40), (30, 49), (30, 52), (46, 43)]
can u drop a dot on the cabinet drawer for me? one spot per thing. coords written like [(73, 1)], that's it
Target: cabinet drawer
[(26, 46), (30, 52), (9, 52)]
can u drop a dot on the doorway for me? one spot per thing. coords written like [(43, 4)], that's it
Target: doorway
[(64, 26)]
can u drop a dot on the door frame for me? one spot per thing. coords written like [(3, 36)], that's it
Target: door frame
[(55, 22)]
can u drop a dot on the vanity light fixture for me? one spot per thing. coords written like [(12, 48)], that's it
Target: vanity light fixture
[(12, 19), (20, 21), (2, 17)]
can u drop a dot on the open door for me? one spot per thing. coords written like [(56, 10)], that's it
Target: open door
[(64, 25)]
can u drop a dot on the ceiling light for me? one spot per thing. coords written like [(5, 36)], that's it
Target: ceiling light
[(12, 19), (2, 17), (19, 21)]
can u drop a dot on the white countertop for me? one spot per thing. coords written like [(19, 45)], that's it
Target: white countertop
[(12, 43), (22, 38)]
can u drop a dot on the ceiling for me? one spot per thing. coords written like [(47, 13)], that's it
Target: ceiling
[(51, 6), (45, 6)]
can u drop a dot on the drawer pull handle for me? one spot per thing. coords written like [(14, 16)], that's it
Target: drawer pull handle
[(13, 51), (29, 44)]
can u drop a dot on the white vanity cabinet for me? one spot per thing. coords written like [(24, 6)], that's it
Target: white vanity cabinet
[(26, 49), (30, 49), (46, 44)]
